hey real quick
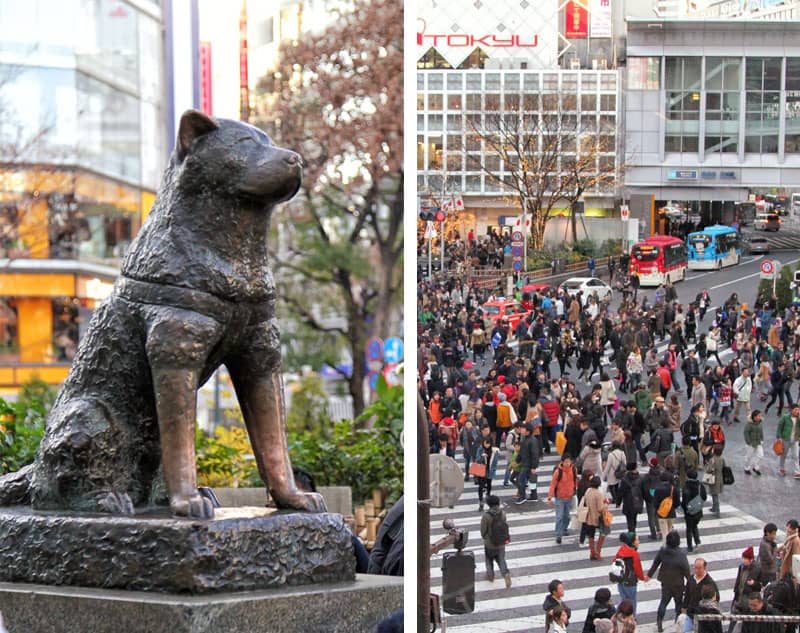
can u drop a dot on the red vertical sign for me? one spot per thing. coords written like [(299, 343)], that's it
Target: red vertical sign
[(205, 78), (576, 18), (244, 90)]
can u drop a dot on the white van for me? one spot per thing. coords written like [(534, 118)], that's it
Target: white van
[(767, 222)]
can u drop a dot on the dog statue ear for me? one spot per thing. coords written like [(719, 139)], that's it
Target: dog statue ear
[(193, 125)]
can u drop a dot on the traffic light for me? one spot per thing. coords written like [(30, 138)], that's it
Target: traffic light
[(432, 214)]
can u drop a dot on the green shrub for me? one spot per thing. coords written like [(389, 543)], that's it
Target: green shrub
[(363, 458), (364, 454), (22, 424)]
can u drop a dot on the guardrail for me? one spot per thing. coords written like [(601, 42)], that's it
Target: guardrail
[(735, 617), (496, 277)]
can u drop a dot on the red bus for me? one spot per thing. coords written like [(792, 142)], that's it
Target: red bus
[(658, 260)]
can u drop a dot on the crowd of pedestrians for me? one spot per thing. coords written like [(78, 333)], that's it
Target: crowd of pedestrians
[(574, 377)]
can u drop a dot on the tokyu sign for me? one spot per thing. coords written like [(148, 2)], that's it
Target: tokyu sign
[(515, 32), (471, 41)]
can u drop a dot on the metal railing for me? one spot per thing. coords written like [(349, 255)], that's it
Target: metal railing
[(736, 617)]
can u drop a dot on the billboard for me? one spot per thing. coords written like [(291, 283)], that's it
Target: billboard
[(503, 29), (576, 20), (601, 21)]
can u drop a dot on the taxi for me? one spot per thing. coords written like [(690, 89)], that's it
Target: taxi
[(505, 309)]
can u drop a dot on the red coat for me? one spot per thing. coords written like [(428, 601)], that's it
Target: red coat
[(666, 379), (626, 551), (552, 410)]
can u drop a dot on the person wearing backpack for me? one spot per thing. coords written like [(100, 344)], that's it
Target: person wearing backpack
[(693, 496), (631, 494), (666, 498), (662, 441), (627, 583), (495, 535), (673, 575), (563, 486)]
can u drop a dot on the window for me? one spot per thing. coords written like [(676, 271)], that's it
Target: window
[(644, 73), (792, 111), (762, 104), (722, 83), (682, 129)]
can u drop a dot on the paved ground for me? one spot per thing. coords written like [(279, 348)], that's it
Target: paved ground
[(534, 559)]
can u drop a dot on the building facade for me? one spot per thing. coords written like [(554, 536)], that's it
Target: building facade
[(497, 66), (84, 138), (711, 115)]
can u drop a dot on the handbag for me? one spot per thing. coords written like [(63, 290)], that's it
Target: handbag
[(478, 470), (607, 518), (778, 447), (727, 476), (709, 478)]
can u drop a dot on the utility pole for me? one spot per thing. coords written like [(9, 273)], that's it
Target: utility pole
[(423, 521)]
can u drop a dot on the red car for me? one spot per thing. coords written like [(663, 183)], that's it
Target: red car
[(505, 309)]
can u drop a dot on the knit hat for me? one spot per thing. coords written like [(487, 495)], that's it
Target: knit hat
[(501, 380), (627, 538), (468, 364), (748, 553), (653, 462)]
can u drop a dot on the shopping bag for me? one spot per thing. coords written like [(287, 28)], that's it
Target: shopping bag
[(478, 470), (561, 442)]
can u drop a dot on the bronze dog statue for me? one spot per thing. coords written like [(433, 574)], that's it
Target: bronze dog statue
[(195, 291)]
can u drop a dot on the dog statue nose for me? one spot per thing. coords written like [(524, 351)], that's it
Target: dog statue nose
[(293, 159)]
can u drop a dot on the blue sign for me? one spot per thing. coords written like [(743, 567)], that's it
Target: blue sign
[(727, 175), (516, 251), (393, 350), (682, 174), (516, 265), (374, 349), (507, 249), (708, 175), (373, 380)]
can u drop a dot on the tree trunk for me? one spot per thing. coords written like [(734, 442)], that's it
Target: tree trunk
[(538, 223), (386, 274), (573, 222), (356, 335)]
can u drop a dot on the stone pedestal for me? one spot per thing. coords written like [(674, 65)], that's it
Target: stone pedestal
[(349, 607), (240, 549)]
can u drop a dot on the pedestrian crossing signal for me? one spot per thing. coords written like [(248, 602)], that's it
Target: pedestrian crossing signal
[(432, 215)]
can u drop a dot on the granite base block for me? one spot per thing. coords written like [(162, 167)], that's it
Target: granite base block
[(351, 607), (240, 549)]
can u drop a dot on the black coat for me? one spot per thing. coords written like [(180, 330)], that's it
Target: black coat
[(597, 610), (674, 572)]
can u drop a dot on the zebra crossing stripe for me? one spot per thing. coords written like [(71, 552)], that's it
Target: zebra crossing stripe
[(534, 559)]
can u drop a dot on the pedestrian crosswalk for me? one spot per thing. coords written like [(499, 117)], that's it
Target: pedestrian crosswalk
[(785, 239), (534, 559)]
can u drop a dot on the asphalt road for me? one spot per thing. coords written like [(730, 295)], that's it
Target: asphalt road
[(769, 497)]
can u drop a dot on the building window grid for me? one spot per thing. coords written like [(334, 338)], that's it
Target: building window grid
[(444, 153), (771, 90), (720, 104)]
